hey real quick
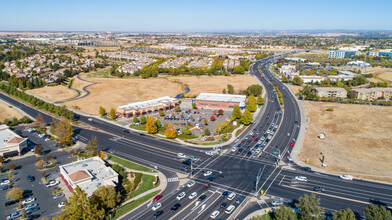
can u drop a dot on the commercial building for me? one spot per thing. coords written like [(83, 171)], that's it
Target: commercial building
[(358, 64), (371, 93), (220, 101), (88, 175), (11, 144), (334, 92), (380, 53), (343, 54), (147, 107)]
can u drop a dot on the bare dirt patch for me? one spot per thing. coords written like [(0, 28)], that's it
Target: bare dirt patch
[(380, 74), (313, 52), (7, 112), (54, 93), (214, 84), (358, 139), (295, 88)]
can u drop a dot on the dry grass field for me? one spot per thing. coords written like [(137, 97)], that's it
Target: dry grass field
[(325, 52), (54, 93), (358, 139), (295, 88), (380, 74), (214, 84), (7, 112)]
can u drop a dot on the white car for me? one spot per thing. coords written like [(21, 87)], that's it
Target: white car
[(237, 139), (301, 178), (193, 195), (5, 182), (259, 142), (268, 131), (207, 173), (262, 138), (181, 195), (346, 177), (230, 209), (234, 149), (90, 119), (47, 139), (210, 153), (289, 158), (157, 206), (277, 202), (52, 183), (181, 155), (214, 214), (27, 201), (191, 183), (231, 196), (288, 134), (61, 205)]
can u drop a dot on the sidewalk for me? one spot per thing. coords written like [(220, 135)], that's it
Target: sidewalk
[(258, 213)]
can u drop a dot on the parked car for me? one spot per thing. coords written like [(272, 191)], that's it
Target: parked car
[(14, 215), (238, 200), (211, 178), (29, 200), (52, 183), (10, 202), (157, 197), (225, 193), (231, 196), (31, 205), (5, 187), (346, 177), (61, 204), (191, 183), (31, 210), (31, 217), (223, 205), (230, 209), (157, 206), (5, 182), (58, 195), (30, 178)]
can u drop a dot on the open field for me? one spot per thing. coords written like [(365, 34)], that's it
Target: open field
[(358, 139), (380, 74), (325, 52), (214, 84), (7, 112), (295, 88), (54, 93)]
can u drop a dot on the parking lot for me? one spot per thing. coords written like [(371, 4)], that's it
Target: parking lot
[(25, 166)]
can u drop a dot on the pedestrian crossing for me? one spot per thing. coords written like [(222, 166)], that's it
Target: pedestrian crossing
[(172, 179)]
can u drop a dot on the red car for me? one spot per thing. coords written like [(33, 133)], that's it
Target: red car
[(158, 197), (292, 143), (206, 186), (253, 137)]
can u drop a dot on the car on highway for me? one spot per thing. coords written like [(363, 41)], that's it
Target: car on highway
[(301, 178), (207, 173), (175, 207), (214, 214), (225, 193), (291, 143), (231, 196), (192, 195), (277, 202), (289, 158), (157, 206), (238, 200), (157, 197), (260, 141), (288, 134), (184, 168), (191, 183), (14, 215), (223, 205), (307, 169), (202, 197), (187, 162), (205, 186), (319, 189), (58, 195), (27, 201), (237, 139), (181, 155), (230, 209), (211, 178), (346, 177), (181, 196), (234, 149), (193, 158), (210, 153), (157, 213)]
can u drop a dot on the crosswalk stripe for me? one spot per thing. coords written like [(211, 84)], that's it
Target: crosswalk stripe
[(172, 179)]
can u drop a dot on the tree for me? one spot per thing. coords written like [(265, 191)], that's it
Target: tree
[(12, 166), (150, 126), (246, 118), (373, 212), (1, 159), (284, 212), (40, 163), (143, 120), (230, 89), (187, 130), (135, 119), (102, 110), (309, 206), (251, 105), (285, 79), (260, 100), (64, 131), (253, 89), (205, 121), (239, 69), (165, 126), (39, 120), (224, 91), (81, 207), (236, 114), (297, 81), (112, 113), (212, 118), (92, 146), (194, 105), (38, 149), (219, 128), (15, 194), (344, 214), (207, 132), (220, 111), (105, 197), (158, 123), (170, 131)]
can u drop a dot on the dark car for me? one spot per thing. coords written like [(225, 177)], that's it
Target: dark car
[(27, 191), (30, 178), (31, 210), (307, 169), (10, 202), (157, 213), (211, 178), (319, 189), (225, 193), (35, 216), (184, 168), (238, 200), (175, 207), (25, 195), (141, 134), (5, 187), (202, 197), (223, 205), (187, 162)]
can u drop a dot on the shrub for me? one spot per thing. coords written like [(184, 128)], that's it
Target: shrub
[(330, 109)]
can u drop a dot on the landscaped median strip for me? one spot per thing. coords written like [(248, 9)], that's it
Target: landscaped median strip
[(122, 210), (129, 164)]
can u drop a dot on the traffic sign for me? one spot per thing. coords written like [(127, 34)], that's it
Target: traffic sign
[(275, 152)]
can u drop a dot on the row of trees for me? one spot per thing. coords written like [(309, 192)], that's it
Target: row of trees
[(58, 110), (112, 112)]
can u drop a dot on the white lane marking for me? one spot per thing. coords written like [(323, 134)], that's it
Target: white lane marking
[(172, 179)]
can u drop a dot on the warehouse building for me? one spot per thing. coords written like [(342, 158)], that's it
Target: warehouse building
[(220, 101), (147, 107), (88, 175), (11, 144)]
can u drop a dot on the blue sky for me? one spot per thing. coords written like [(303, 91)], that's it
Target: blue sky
[(194, 16)]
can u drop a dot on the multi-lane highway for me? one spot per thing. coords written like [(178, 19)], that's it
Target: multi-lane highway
[(257, 162)]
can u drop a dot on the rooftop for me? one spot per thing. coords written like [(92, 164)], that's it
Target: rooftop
[(8, 136), (325, 89), (149, 103), (222, 98), (378, 89)]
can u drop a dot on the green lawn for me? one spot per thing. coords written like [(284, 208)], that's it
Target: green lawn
[(146, 185), (107, 118), (131, 205), (138, 127), (129, 164)]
